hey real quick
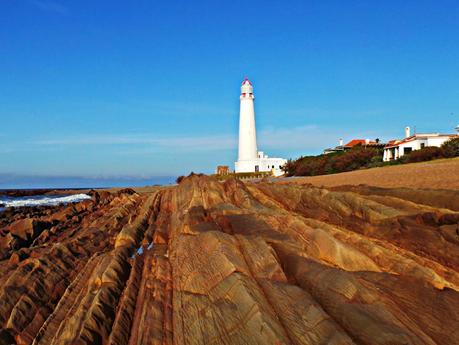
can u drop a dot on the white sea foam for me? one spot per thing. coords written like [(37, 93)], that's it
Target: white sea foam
[(43, 200)]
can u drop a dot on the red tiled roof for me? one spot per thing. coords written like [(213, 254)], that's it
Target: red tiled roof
[(395, 143), (354, 142)]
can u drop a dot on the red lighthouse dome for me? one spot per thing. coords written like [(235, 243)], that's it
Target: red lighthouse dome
[(246, 87)]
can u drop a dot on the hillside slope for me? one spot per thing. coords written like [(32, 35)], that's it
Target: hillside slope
[(437, 174)]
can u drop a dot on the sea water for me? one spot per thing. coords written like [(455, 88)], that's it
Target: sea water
[(40, 200)]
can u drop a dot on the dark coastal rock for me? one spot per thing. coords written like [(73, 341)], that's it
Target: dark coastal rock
[(28, 228), (234, 263), (20, 233), (128, 191), (63, 214), (18, 256), (6, 337), (23, 192), (100, 197), (7, 242), (85, 205)]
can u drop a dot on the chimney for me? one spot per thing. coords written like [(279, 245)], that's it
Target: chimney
[(407, 132), (341, 141)]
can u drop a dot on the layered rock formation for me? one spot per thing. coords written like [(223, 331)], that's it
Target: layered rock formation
[(232, 263)]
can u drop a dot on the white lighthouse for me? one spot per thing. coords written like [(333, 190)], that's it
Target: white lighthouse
[(250, 159)]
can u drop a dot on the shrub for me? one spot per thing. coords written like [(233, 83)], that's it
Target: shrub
[(360, 157), (179, 179), (336, 162), (376, 159), (425, 154), (451, 148), (289, 167), (310, 166), (354, 159)]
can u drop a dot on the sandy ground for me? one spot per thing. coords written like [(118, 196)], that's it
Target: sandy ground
[(438, 174)]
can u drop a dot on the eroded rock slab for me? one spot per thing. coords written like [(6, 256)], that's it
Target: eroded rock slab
[(207, 262)]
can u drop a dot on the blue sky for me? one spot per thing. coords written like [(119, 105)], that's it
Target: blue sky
[(150, 88)]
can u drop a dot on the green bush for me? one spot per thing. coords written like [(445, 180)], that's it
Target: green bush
[(289, 167), (360, 157), (356, 158), (425, 154), (451, 148)]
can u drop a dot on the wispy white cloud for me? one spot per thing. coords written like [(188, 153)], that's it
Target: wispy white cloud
[(27, 148), (50, 6), (156, 107), (304, 137), (309, 138), (211, 142), (324, 112)]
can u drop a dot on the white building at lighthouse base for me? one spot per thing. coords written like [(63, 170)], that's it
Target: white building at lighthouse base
[(261, 164)]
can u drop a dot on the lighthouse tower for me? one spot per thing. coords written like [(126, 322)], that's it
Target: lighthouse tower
[(247, 132), (249, 158)]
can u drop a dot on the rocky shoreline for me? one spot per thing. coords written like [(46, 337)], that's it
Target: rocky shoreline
[(233, 263), (45, 191)]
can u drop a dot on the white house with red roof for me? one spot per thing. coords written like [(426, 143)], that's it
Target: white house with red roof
[(352, 143), (398, 148)]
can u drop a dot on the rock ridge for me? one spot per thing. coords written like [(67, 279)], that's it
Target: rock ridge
[(209, 262)]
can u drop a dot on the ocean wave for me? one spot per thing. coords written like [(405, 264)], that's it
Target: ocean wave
[(43, 200)]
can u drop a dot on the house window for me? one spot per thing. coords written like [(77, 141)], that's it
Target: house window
[(257, 168), (407, 150), (423, 145)]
